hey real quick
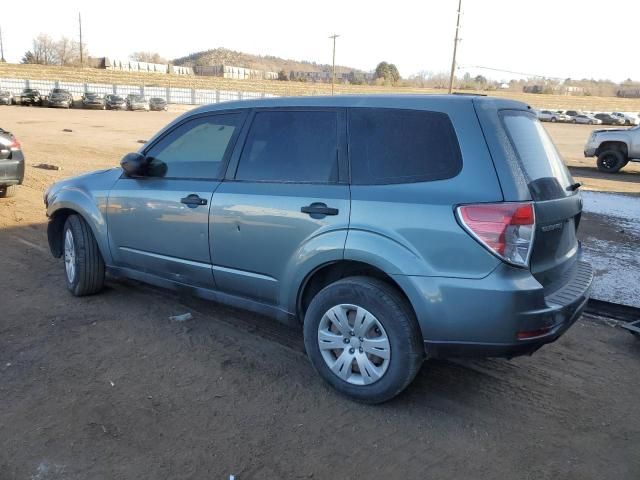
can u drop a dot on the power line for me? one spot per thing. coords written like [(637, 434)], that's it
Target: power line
[(511, 71)]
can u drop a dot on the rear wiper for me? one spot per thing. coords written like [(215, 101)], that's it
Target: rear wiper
[(574, 187)]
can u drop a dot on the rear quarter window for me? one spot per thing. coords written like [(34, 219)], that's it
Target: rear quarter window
[(389, 146)]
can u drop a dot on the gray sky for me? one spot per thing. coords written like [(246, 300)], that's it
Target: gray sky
[(557, 38)]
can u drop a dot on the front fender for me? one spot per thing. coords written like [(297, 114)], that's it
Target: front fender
[(86, 195)]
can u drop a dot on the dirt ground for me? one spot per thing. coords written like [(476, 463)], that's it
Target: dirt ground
[(106, 387)]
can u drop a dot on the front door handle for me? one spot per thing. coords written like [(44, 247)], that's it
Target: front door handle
[(319, 210), (193, 200)]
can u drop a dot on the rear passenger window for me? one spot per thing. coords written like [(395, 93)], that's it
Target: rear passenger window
[(291, 146), (401, 146)]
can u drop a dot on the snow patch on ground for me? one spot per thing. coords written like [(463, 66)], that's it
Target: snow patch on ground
[(616, 262), (624, 207)]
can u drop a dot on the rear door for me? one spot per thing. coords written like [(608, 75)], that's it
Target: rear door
[(286, 190), (558, 205)]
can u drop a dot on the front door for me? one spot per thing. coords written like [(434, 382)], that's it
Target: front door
[(158, 223), (285, 194)]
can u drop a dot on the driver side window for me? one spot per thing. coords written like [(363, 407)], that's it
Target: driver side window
[(195, 149)]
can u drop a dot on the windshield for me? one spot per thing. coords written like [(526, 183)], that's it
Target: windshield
[(546, 172), (4, 93), (115, 98), (138, 99)]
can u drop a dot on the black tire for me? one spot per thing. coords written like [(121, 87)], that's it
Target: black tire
[(88, 277), (611, 161), (398, 321), (8, 191), (554, 119)]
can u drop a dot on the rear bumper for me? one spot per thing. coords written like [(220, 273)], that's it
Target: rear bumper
[(564, 317), (505, 314), (11, 171)]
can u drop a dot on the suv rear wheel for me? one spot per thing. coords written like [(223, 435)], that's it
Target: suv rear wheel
[(611, 161), (8, 191), (363, 339), (83, 263)]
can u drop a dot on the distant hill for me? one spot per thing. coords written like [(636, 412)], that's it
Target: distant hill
[(219, 56)]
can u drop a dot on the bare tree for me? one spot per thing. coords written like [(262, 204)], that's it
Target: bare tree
[(65, 54), (149, 57), (44, 51)]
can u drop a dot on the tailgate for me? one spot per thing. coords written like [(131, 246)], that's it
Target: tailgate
[(557, 204), (555, 244)]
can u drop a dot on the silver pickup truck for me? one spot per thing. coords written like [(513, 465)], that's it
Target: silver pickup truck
[(614, 148)]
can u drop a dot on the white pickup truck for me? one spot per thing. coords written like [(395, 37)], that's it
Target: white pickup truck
[(614, 148)]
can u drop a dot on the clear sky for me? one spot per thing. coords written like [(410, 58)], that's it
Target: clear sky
[(556, 38)]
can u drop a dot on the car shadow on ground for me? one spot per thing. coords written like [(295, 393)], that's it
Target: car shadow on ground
[(440, 384), (592, 172)]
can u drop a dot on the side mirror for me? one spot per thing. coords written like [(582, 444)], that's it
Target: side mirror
[(134, 164)]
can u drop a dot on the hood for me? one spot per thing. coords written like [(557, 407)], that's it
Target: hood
[(611, 130), (108, 176)]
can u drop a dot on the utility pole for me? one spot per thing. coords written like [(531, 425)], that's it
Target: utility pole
[(81, 52), (333, 74), (455, 48), (2, 60)]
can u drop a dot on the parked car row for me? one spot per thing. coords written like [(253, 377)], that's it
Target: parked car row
[(132, 102), (59, 97), (589, 118)]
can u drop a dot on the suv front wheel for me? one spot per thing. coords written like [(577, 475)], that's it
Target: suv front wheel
[(611, 161), (83, 263), (363, 339)]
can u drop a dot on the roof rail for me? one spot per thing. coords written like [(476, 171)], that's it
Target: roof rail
[(470, 94)]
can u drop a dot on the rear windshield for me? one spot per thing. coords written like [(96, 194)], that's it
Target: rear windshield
[(544, 169)]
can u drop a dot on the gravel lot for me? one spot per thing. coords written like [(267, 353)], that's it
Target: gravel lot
[(106, 387)]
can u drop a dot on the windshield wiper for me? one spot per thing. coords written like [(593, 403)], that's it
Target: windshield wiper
[(574, 187)]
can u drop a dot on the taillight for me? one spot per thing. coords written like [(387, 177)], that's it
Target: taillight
[(505, 229), (15, 145)]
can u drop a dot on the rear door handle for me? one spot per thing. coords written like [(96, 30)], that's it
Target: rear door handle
[(193, 200), (318, 210)]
